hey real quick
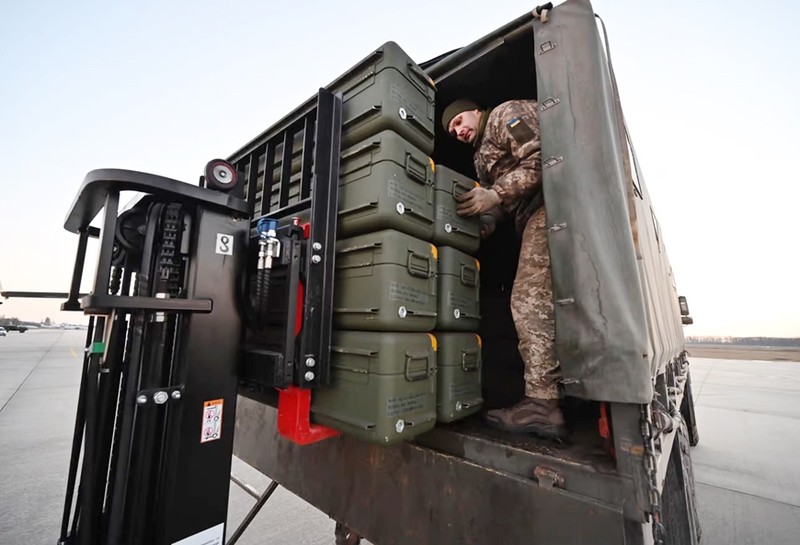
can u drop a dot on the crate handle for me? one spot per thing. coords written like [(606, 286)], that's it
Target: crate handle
[(359, 208), (458, 185), (411, 312), (351, 420), (360, 248), (470, 361), (371, 112), (421, 173), (347, 310), (469, 276), (416, 421), (412, 212), (417, 269), (361, 150), (355, 351), (417, 375), (421, 77)]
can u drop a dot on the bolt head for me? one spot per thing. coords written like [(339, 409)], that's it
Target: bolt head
[(160, 397), (459, 406), (402, 312), (400, 426), (310, 376), (317, 246), (141, 400), (176, 394), (315, 258), (310, 362)]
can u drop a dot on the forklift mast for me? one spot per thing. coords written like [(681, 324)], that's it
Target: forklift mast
[(187, 287)]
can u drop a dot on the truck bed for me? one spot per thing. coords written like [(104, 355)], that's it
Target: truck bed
[(583, 447), (460, 483)]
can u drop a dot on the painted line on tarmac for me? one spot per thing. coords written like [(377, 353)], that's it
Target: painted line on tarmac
[(31, 372)]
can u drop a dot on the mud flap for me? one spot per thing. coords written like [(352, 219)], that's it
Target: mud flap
[(687, 412), (679, 503)]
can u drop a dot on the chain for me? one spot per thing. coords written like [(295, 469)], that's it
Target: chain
[(651, 469), (169, 270)]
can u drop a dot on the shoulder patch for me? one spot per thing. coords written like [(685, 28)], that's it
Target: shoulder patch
[(520, 131)]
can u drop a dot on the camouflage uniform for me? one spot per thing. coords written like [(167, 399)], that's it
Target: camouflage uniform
[(508, 159)]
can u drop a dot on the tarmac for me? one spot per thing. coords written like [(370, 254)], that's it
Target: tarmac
[(746, 465)]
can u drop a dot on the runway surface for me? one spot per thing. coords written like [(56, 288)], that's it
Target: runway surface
[(746, 464)]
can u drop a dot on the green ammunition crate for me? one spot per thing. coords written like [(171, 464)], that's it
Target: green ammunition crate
[(385, 281), (450, 229), (385, 183), (459, 291), (458, 375), (383, 386), (387, 90)]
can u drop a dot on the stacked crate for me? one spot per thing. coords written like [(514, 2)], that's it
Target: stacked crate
[(458, 310), (389, 320), (383, 357)]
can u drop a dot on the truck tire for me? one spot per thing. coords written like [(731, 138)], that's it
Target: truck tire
[(679, 505)]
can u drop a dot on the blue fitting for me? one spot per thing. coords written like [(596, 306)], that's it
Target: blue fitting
[(265, 225)]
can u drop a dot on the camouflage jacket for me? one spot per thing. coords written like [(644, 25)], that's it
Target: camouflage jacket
[(508, 158)]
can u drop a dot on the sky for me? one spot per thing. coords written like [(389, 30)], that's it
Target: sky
[(709, 90)]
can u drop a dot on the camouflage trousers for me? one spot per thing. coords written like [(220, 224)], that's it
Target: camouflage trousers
[(532, 310)]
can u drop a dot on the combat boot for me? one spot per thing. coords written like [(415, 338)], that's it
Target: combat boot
[(541, 417)]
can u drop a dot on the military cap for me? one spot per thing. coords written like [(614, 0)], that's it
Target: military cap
[(455, 108)]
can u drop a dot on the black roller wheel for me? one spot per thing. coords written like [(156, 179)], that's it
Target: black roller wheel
[(221, 175)]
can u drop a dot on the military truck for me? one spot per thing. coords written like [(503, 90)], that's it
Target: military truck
[(297, 297)]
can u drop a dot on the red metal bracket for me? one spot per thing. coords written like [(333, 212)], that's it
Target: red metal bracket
[(604, 427), (294, 412)]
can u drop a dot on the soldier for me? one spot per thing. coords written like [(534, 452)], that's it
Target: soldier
[(509, 166)]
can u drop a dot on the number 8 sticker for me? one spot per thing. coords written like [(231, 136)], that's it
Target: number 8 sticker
[(224, 244)]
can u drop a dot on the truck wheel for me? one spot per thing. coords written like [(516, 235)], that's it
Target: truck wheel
[(679, 505)]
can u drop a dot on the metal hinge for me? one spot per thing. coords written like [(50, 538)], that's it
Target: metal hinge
[(547, 46), (548, 478), (548, 103), (553, 160)]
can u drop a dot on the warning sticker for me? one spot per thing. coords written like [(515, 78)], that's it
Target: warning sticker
[(212, 421)]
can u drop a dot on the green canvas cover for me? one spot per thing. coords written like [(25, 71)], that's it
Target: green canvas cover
[(616, 319), (601, 331)]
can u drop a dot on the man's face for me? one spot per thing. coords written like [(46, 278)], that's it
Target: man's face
[(464, 126)]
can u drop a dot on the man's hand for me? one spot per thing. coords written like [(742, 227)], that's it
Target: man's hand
[(477, 201)]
